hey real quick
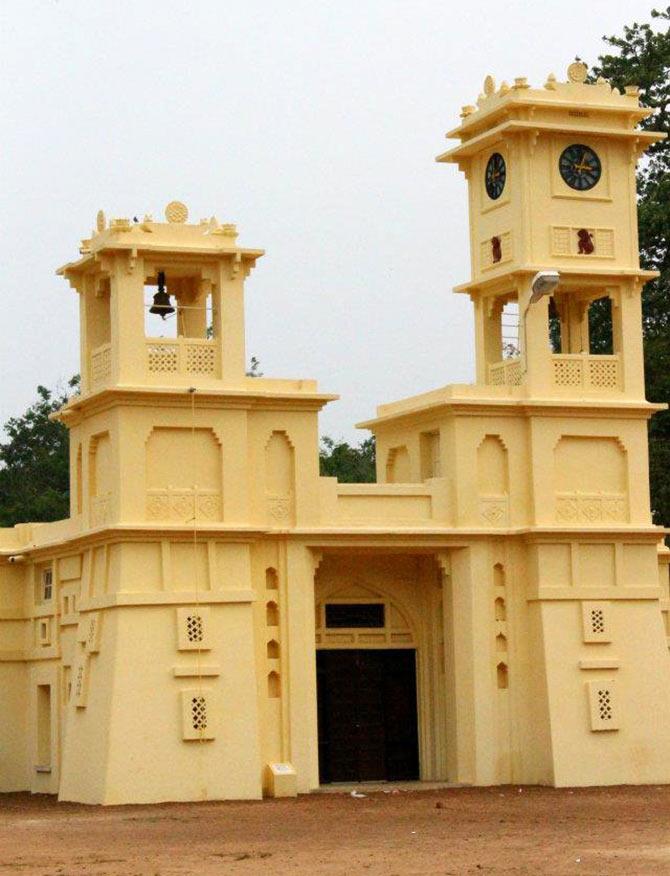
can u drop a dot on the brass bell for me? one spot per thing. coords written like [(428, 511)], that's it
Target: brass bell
[(161, 305)]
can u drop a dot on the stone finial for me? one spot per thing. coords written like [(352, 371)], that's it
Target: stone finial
[(577, 71), (227, 229), (632, 90), (489, 86), (176, 213), (504, 88), (468, 111), (521, 82), (550, 84), (100, 221), (120, 225)]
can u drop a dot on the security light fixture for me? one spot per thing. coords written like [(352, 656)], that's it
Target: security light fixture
[(544, 283)]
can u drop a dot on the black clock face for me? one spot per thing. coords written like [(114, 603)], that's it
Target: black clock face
[(580, 167), (496, 173)]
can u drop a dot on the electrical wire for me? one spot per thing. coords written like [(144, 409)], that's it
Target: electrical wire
[(196, 580)]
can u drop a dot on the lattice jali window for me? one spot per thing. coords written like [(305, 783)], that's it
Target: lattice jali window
[(603, 705), (603, 373), (567, 372), (200, 359), (93, 632), (509, 372), (101, 364), (193, 629), (81, 682), (497, 374), (198, 714), (514, 373), (596, 622), (163, 357)]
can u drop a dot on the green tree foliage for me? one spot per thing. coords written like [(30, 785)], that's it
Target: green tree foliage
[(641, 56), (34, 462), (349, 464)]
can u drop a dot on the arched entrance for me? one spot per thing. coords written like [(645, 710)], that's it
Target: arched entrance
[(366, 688)]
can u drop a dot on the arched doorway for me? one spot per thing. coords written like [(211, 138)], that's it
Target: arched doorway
[(366, 688)]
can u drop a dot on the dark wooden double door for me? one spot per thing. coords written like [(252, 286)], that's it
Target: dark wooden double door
[(367, 715)]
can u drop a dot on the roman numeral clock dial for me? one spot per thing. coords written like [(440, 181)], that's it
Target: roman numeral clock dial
[(495, 176), (580, 167)]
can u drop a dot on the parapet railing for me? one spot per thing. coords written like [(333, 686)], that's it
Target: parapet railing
[(580, 371), (586, 372), (506, 373), (101, 365), (181, 356)]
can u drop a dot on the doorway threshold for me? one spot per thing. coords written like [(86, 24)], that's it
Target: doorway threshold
[(383, 787)]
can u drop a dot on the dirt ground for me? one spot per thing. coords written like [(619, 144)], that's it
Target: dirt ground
[(447, 831)]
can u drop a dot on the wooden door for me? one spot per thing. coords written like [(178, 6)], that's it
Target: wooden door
[(367, 715)]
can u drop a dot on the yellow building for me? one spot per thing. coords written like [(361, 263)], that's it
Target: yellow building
[(215, 620)]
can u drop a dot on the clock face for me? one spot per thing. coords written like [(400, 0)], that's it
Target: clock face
[(580, 167), (496, 173)]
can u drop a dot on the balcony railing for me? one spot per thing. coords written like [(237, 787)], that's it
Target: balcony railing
[(585, 372), (101, 365), (572, 371), (181, 356), (506, 373)]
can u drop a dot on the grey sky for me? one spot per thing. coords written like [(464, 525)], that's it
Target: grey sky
[(313, 125)]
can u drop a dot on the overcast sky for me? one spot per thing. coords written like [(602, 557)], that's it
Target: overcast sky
[(311, 124)]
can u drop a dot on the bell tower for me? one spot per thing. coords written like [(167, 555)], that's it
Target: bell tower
[(551, 177), (190, 275), (168, 420)]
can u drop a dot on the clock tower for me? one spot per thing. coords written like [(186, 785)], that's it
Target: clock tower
[(545, 455), (551, 175)]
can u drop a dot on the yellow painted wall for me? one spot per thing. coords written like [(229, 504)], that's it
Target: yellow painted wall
[(509, 533)]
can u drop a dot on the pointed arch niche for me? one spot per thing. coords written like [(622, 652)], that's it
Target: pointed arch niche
[(183, 474), (100, 478), (493, 481), (280, 479), (591, 479), (398, 466)]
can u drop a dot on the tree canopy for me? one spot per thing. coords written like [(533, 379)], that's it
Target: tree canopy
[(351, 464), (641, 56), (34, 462)]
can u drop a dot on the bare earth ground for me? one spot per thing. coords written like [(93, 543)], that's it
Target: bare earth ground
[(447, 831)]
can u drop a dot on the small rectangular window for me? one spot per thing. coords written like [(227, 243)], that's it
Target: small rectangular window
[(43, 727), (47, 585), (368, 615)]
